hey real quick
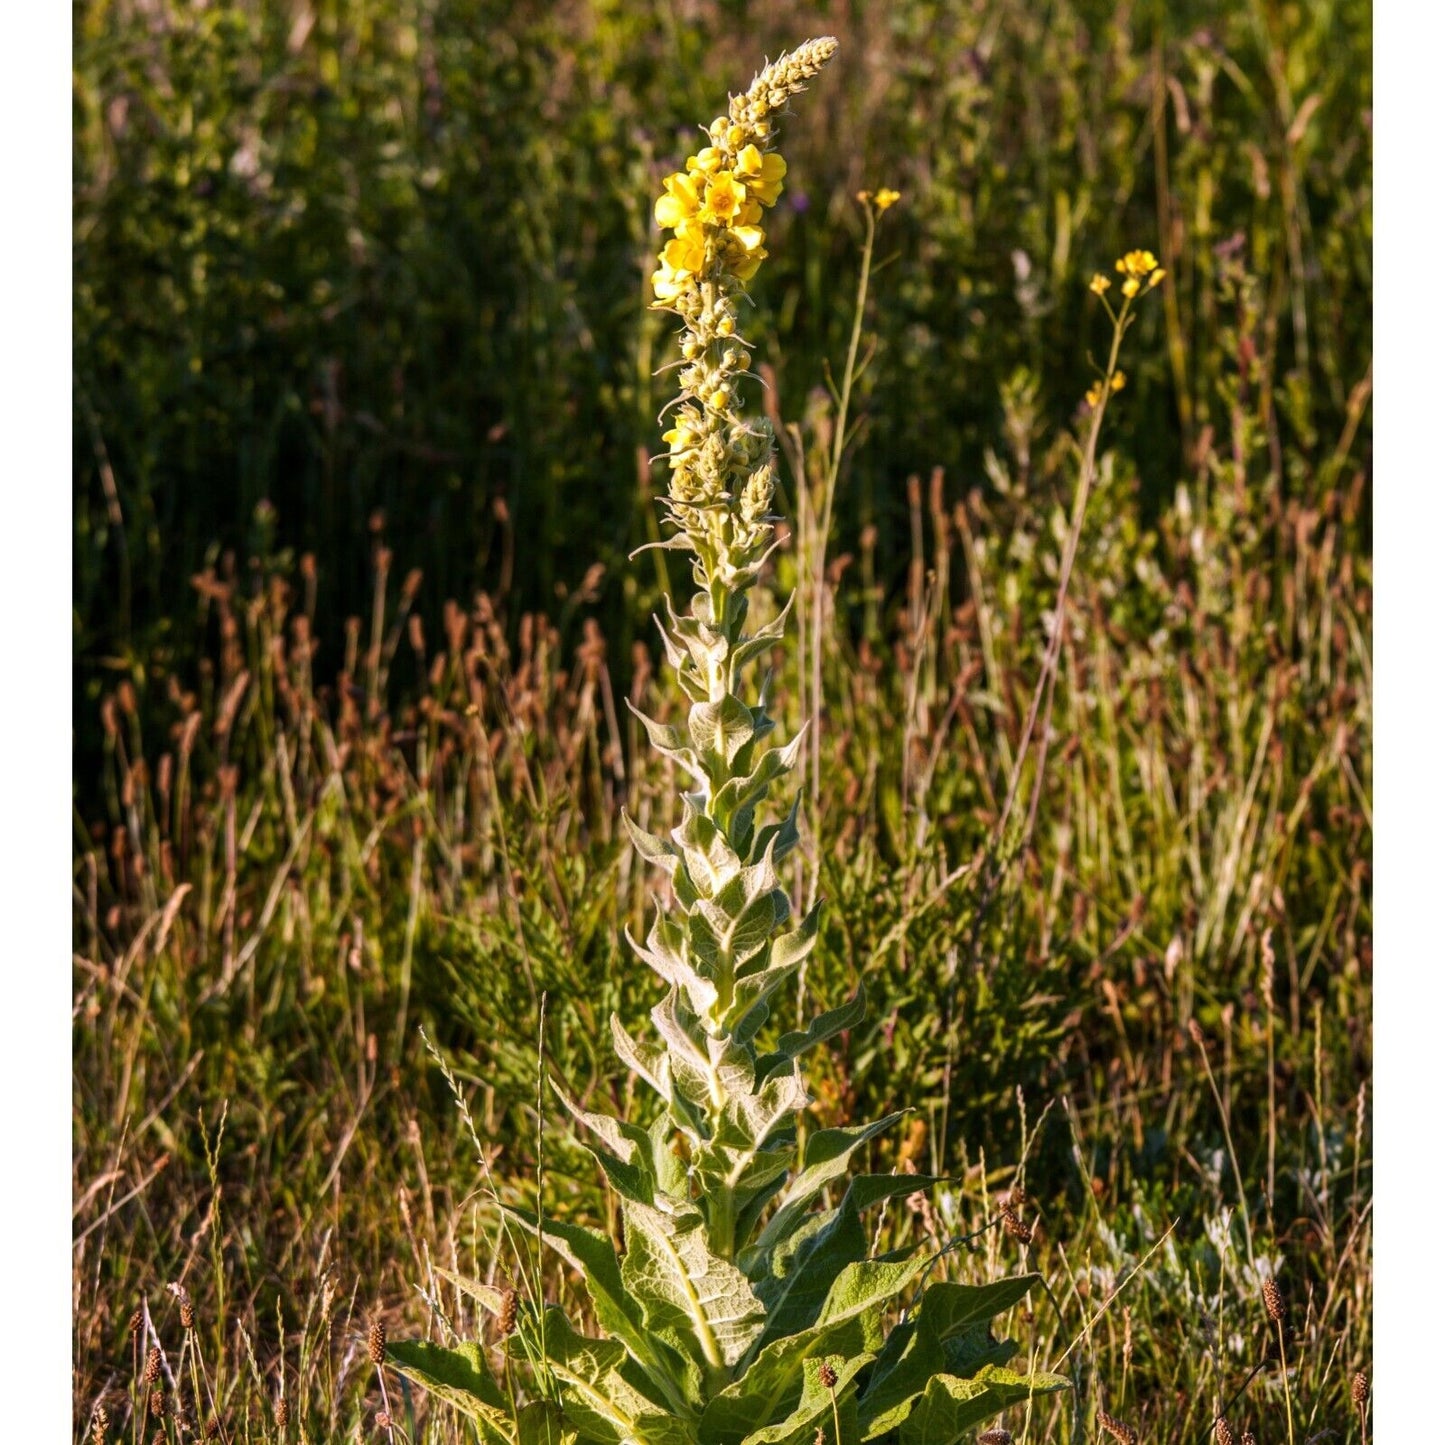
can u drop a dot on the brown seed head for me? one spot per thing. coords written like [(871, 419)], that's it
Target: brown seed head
[(137, 1319), (99, 1424), (1223, 1435), (1015, 1226), (1359, 1389), (376, 1342), (507, 1318), (153, 1366), (282, 1412), (999, 1436), (1273, 1300), (827, 1375), (158, 1404), (1124, 1434), (1247, 1438), (188, 1314), (212, 1430)]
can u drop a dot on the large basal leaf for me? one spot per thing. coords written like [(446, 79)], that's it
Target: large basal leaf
[(458, 1375), (771, 1386), (542, 1423), (618, 1313), (815, 1408), (951, 1408), (695, 1301), (601, 1397), (923, 1347)]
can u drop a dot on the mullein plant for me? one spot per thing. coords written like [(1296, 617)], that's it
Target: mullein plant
[(746, 1307)]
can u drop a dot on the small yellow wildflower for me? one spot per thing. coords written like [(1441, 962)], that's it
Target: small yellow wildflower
[(679, 200), (1130, 286), (687, 251), (761, 174), (886, 198), (1094, 395), (1137, 263), (1116, 382), (707, 160), (1098, 285), (724, 198)]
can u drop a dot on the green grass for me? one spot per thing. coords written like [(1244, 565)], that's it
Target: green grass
[(300, 839)]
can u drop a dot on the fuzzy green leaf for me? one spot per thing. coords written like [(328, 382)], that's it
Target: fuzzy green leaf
[(618, 1312), (918, 1350), (951, 1408), (690, 1297), (815, 1408), (602, 1397), (459, 1376), (824, 1027), (542, 1423)]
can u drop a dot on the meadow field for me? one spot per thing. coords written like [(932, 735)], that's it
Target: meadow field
[(366, 439)]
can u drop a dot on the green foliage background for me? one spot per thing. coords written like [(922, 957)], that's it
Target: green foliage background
[(339, 258)]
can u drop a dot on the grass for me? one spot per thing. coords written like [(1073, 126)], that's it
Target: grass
[(302, 835)]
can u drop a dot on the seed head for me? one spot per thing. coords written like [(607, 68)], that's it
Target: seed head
[(383, 1420), (158, 1404), (376, 1342), (999, 1436), (281, 1412), (137, 1319), (1273, 1300), (1223, 1435), (1359, 1389), (1247, 1438), (212, 1430), (99, 1424), (153, 1366), (507, 1316), (1124, 1434), (827, 1375)]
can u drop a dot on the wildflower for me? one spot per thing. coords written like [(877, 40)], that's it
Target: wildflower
[(724, 198), (1098, 285), (886, 198), (761, 174), (1141, 272), (678, 202), (1137, 263)]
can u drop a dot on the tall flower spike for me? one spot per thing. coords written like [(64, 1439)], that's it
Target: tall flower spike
[(732, 1280)]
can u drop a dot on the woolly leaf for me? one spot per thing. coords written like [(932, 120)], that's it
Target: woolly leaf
[(458, 1375), (950, 1407), (690, 1297)]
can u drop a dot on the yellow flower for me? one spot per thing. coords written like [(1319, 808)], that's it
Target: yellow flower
[(886, 198), (1116, 382), (1156, 278), (1130, 286), (1095, 394), (1099, 284), (668, 284), (743, 251), (687, 251), (1137, 263), (725, 197), (762, 174), (678, 201), (707, 160), (680, 441)]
